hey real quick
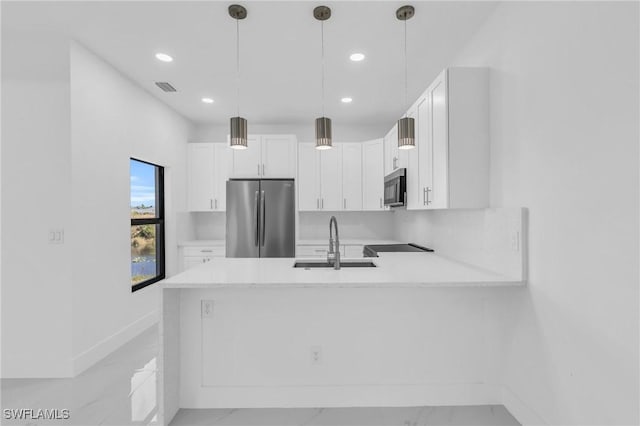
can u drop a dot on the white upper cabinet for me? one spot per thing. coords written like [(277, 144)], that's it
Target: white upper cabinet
[(352, 176), (373, 175), (268, 156), (207, 176), (413, 165), (247, 163), (222, 160), (453, 138), (319, 178), (308, 177), (278, 156), (331, 178)]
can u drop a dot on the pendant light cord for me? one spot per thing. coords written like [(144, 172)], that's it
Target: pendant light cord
[(322, 54), (405, 65), (238, 65)]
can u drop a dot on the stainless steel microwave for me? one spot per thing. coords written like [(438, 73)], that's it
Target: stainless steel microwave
[(395, 188)]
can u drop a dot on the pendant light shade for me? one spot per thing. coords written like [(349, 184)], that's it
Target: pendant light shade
[(238, 125), (406, 133), (406, 125), (238, 133), (323, 124), (323, 133)]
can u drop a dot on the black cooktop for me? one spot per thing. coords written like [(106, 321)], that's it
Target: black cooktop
[(373, 249)]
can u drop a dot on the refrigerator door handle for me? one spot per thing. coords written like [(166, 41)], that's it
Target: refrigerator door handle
[(262, 216), (255, 222)]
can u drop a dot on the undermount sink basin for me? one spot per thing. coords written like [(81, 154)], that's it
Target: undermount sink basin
[(325, 264)]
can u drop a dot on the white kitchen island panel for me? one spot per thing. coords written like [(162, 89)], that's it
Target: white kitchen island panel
[(419, 329)]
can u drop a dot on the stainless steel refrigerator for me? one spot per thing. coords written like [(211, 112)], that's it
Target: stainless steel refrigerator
[(260, 218)]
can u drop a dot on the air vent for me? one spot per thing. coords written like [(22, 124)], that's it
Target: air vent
[(165, 86)]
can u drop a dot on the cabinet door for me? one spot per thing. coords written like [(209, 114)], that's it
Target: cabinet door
[(330, 179), (222, 159), (247, 162), (373, 175), (352, 176), (439, 195), (308, 177), (425, 151), (412, 158), (200, 177), (278, 156)]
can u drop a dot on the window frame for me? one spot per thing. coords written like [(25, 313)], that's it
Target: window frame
[(158, 220)]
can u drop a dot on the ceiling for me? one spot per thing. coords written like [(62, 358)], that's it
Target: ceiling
[(279, 52)]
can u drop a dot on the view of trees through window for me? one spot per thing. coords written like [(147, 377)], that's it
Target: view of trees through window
[(147, 223)]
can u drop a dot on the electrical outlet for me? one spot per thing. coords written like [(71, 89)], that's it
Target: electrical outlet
[(316, 355), (515, 241), (207, 308), (56, 236)]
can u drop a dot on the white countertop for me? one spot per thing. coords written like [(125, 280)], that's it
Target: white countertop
[(346, 241), (393, 270), (303, 242)]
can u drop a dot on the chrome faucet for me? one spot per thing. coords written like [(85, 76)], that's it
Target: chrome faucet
[(331, 255)]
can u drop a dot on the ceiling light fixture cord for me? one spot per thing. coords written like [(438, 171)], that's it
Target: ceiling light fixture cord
[(238, 65), (322, 37), (405, 65)]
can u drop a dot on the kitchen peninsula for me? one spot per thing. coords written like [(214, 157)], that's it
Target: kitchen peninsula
[(260, 333)]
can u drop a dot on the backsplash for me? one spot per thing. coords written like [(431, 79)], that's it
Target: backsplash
[(493, 239), (365, 225)]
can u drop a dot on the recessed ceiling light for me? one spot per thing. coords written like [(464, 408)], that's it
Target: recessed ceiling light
[(346, 100), (357, 57), (207, 100), (163, 57)]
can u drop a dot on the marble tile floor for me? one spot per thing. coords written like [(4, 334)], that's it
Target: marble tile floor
[(121, 390)]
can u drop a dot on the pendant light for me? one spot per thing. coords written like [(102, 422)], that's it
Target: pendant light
[(406, 125), (238, 125), (323, 124)]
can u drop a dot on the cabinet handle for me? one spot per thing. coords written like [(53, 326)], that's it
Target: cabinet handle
[(258, 169), (262, 169), (216, 204), (322, 203), (424, 196), (206, 251), (211, 203), (344, 203), (427, 191), (380, 202)]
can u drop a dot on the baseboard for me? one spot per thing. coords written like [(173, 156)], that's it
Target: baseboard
[(103, 348), (342, 396), (525, 415)]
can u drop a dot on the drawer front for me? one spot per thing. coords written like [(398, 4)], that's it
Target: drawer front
[(191, 261), (315, 251), (353, 251), (211, 251)]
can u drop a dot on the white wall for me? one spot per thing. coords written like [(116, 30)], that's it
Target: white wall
[(36, 275), (564, 136), (112, 120)]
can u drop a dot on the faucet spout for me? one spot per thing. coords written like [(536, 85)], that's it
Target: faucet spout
[(334, 244)]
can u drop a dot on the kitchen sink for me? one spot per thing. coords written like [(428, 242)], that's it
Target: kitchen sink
[(325, 264)]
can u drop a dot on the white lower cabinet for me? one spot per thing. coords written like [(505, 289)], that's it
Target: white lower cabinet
[(315, 250), (320, 250), (193, 256), (352, 251)]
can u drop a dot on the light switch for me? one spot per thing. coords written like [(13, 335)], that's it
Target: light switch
[(56, 236)]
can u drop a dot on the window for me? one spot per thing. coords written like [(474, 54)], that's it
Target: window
[(147, 223)]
